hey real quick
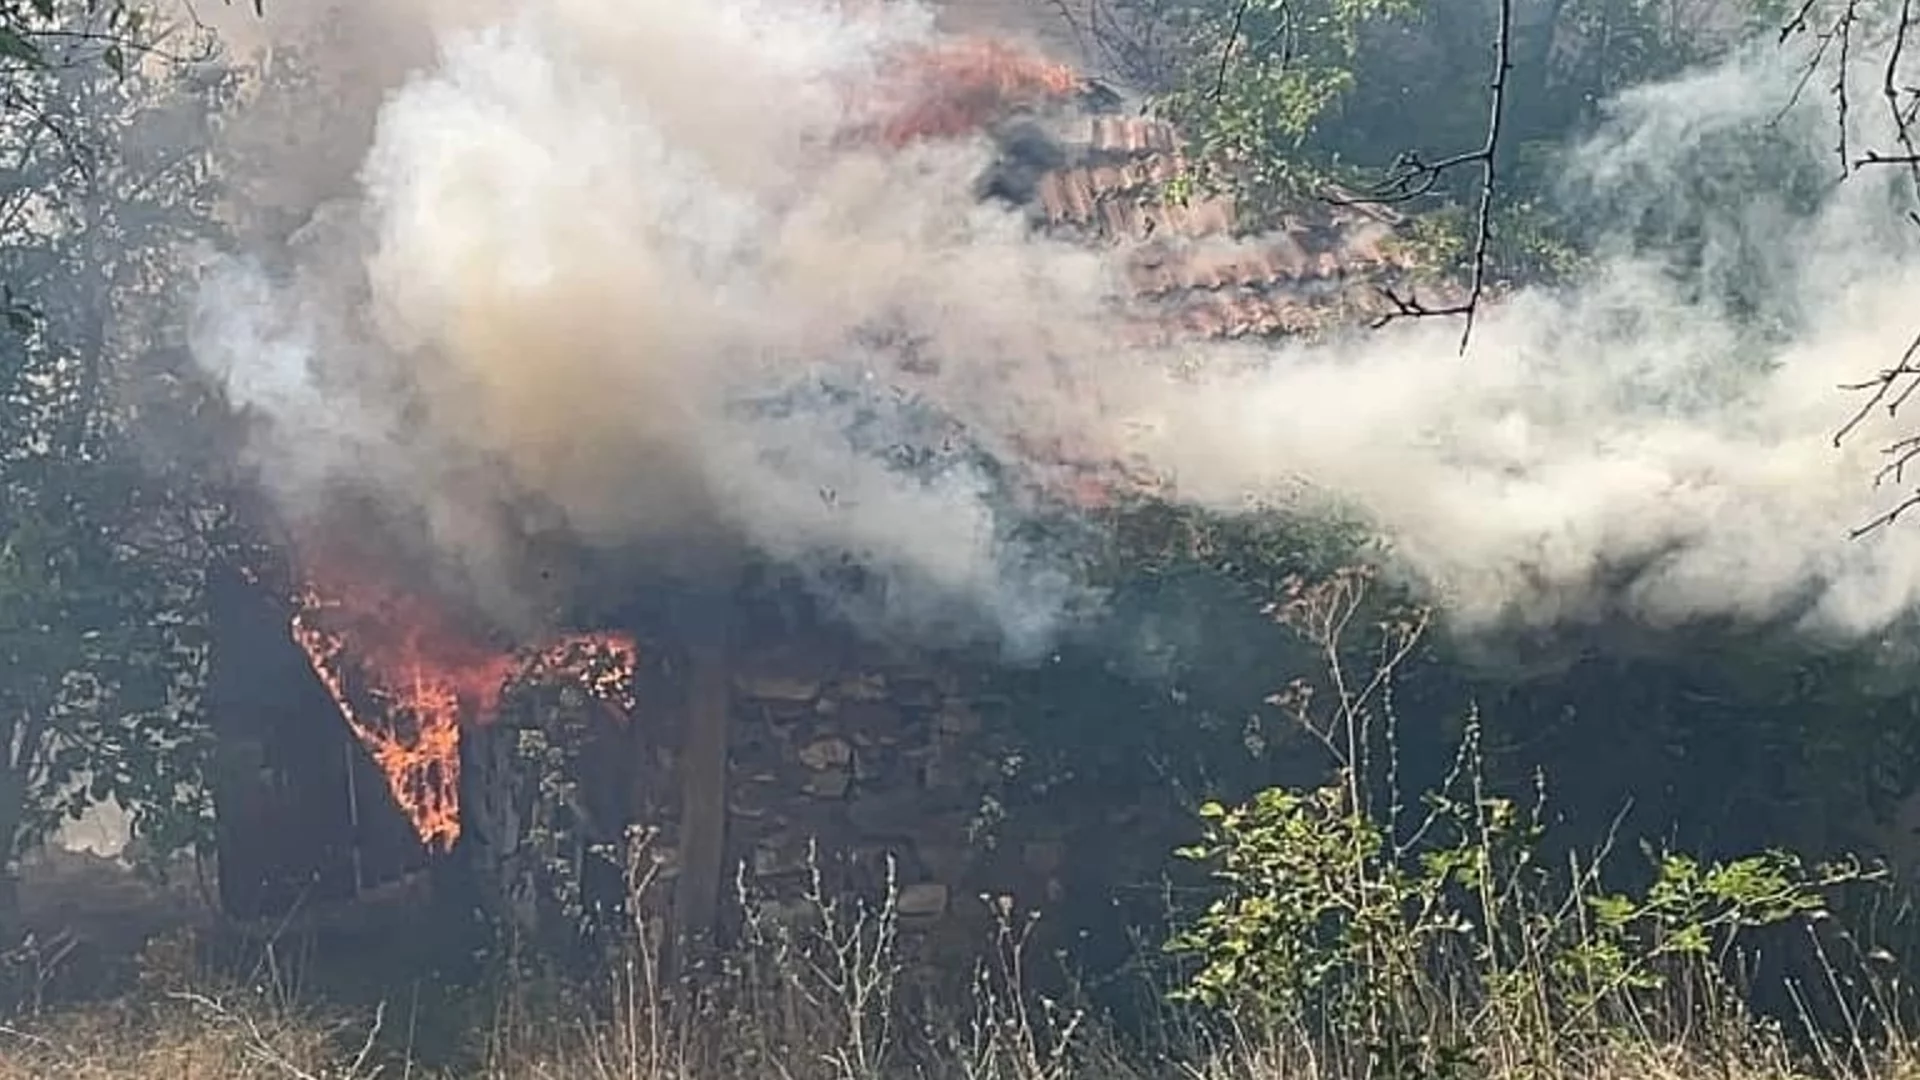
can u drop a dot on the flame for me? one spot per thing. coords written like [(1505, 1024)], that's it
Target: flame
[(424, 680), (956, 88)]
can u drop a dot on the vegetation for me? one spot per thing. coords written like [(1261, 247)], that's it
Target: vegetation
[(1279, 99), (102, 548), (1421, 908), (1348, 936), (1438, 938)]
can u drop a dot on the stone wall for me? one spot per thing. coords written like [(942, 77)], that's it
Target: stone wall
[(871, 766), (871, 762), (926, 764)]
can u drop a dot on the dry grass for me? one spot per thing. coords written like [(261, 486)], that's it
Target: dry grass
[(822, 995), (823, 1001), (168, 1041), (822, 991), (181, 1041)]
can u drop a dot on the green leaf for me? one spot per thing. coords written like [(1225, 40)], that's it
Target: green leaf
[(116, 60), (1612, 912), (16, 47)]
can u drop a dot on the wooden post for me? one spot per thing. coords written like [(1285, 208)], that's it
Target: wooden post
[(705, 620), (355, 837)]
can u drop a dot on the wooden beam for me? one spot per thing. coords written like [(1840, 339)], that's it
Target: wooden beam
[(703, 777)]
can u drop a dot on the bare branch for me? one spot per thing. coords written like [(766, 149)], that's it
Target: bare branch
[(1885, 519), (1890, 390), (1895, 386), (1874, 157), (1226, 50), (1411, 178), (1798, 22), (1901, 115), (263, 1045), (1843, 27), (1838, 36)]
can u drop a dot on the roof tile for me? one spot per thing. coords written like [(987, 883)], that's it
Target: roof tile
[(1189, 264)]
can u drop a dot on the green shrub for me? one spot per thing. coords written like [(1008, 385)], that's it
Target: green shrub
[(1411, 933)]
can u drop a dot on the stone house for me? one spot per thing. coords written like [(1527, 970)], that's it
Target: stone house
[(767, 734)]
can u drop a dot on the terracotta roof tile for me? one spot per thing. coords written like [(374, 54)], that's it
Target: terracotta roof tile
[(1066, 197), (1182, 260), (1108, 180), (1289, 257), (1194, 268), (1152, 277), (1158, 169), (1118, 218), (1263, 261), (1131, 135), (1150, 219), (1210, 216)]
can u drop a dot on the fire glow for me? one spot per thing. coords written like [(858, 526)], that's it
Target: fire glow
[(424, 681), (408, 679)]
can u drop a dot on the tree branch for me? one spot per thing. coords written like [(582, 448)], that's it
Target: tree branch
[(1226, 50), (1894, 387), (1411, 178)]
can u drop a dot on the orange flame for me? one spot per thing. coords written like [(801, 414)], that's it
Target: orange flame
[(956, 88), (424, 680)]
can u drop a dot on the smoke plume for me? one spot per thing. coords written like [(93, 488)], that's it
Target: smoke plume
[(584, 240), (621, 271), (1656, 442)]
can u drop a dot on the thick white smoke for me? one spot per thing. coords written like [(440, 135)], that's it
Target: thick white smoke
[(1632, 445), (582, 232), (586, 234)]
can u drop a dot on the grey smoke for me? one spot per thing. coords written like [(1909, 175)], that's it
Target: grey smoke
[(582, 233), (1635, 445)]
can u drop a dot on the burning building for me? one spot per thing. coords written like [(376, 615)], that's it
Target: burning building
[(371, 728)]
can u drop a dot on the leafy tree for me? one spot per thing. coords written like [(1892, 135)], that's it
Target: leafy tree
[(1247, 81), (1277, 97), (103, 142)]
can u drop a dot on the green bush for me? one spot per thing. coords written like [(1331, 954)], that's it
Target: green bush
[(1433, 937)]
